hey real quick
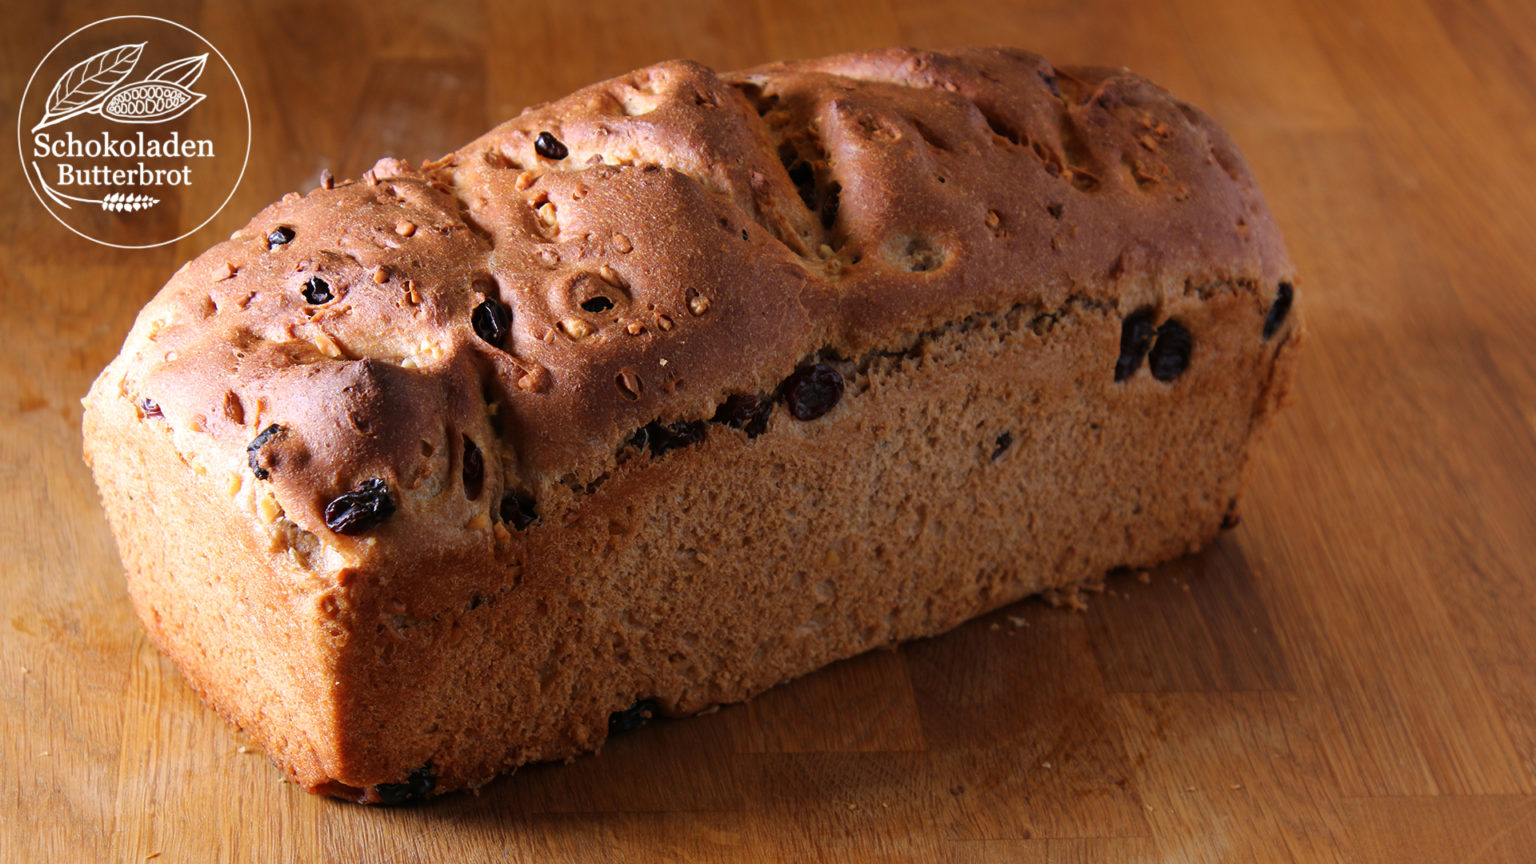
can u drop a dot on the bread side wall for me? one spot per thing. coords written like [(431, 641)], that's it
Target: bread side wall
[(715, 571)]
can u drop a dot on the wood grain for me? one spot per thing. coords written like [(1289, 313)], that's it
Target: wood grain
[(1349, 676)]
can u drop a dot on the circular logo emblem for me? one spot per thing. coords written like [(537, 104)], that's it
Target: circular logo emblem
[(134, 131)]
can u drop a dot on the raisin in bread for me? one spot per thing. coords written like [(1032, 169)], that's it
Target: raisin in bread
[(680, 387)]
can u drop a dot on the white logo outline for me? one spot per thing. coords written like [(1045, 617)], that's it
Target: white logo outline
[(186, 71)]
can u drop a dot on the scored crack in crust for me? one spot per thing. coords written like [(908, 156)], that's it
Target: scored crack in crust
[(388, 374)]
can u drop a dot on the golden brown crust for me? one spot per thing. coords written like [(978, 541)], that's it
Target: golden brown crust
[(679, 237), (966, 185)]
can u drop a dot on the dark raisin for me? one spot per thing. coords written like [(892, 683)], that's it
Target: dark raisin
[(1136, 333), (261, 465), (1170, 353), (812, 391), (745, 412), (804, 177), (597, 304), (282, 235), (415, 788), (1051, 83), (517, 510), (633, 717), (671, 436), (1004, 441), (1279, 310), (550, 147), (491, 321), (1230, 519), (317, 291), (151, 407), (474, 470), (829, 205), (362, 509)]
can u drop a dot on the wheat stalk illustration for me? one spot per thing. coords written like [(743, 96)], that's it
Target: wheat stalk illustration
[(122, 202), (114, 202)]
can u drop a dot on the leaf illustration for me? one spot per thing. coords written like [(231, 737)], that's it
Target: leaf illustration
[(88, 81), (183, 72)]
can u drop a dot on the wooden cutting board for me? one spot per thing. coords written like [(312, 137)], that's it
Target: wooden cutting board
[(1350, 675)]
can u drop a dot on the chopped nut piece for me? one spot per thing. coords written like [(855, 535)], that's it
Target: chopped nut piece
[(405, 227), (524, 180), (326, 345), (576, 328), (267, 509), (621, 243), (536, 380), (698, 305), (634, 328), (547, 213), (629, 383), (327, 179), (663, 322), (380, 275)]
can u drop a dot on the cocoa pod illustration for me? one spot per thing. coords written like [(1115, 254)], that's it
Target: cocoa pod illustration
[(150, 102)]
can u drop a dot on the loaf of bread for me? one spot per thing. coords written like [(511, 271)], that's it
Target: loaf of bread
[(677, 388)]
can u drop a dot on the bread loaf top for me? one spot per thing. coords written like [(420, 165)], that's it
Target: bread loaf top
[(499, 322)]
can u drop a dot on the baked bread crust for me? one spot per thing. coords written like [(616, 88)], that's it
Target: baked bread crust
[(965, 238)]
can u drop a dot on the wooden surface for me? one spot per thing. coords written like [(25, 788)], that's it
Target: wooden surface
[(1350, 675)]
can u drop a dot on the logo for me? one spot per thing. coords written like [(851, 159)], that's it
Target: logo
[(127, 158)]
